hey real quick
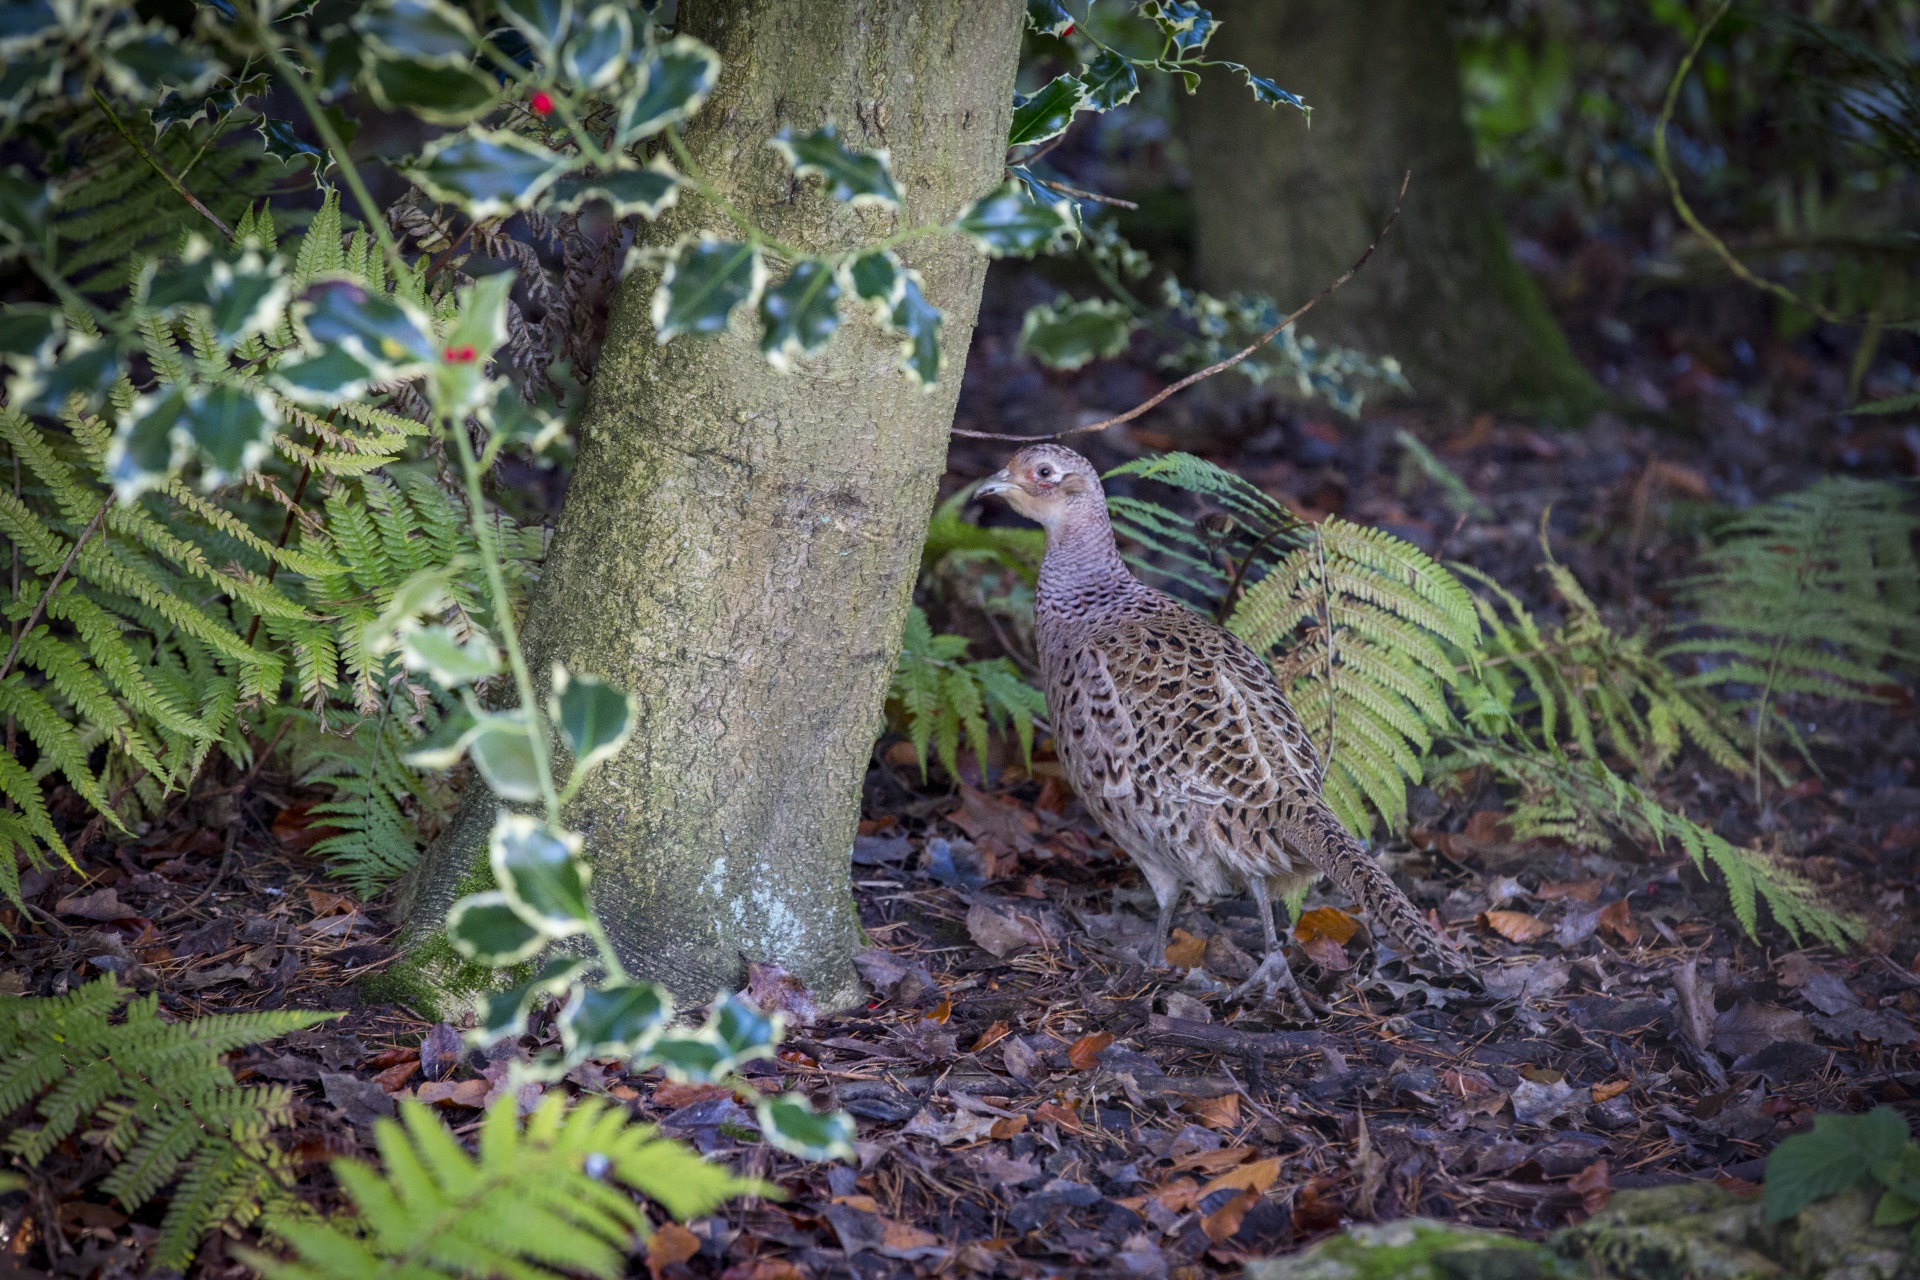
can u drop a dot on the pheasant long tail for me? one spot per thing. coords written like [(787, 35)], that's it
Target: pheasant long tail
[(1331, 848)]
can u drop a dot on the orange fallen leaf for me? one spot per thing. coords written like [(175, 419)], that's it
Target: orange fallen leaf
[(940, 1012), (670, 1243), (626, 1093), (1576, 890), (1611, 1089), (1212, 1161), (1007, 1126), (1256, 1177), (991, 1036), (322, 902), (1515, 926), (1594, 1185), (903, 1236), (1178, 1195), (454, 1093), (1222, 1112), (674, 1094), (1086, 1051), (866, 1204), (1617, 918), (1325, 922), (763, 1269), (1488, 826), (395, 1077), (1186, 951), (1221, 1224), (1465, 1084), (1326, 953), (1066, 1117)]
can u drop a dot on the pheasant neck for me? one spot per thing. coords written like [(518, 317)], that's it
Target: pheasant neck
[(1082, 563)]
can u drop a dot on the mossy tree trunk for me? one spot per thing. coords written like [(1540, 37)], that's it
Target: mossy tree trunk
[(737, 548), (1282, 209)]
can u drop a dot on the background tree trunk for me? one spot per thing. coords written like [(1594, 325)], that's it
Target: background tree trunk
[(737, 547), (1281, 208)]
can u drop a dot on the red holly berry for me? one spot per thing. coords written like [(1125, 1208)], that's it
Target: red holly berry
[(461, 355), (542, 102), (1067, 32)]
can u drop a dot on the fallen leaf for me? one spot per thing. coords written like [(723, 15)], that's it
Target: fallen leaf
[(1086, 1051), (1515, 926), (440, 1051), (1222, 1112), (1325, 922), (1570, 890), (1616, 918), (1256, 1177), (1326, 953), (1541, 1075), (1488, 826), (1021, 1061), (327, 904), (674, 1094), (991, 1036), (1594, 1185), (670, 1243), (984, 817), (1211, 1162), (1186, 951), (103, 905), (999, 933), (395, 1077), (392, 1057), (1676, 475), (1749, 1027), (1535, 1103), (940, 1013), (1611, 1089), (1315, 1210), (296, 831), (1178, 1195), (1007, 1126), (775, 990), (901, 1237), (1466, 1084), (454, 1093), (763, 1269), (1224, 1221), (1065, 1117)]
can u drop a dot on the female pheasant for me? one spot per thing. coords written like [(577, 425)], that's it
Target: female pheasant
[(1177, 736)]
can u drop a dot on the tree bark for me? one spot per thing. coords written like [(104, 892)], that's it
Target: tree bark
[(737, 548), (1280, 208)]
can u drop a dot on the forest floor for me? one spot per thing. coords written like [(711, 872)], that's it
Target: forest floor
[(1034, 1101)]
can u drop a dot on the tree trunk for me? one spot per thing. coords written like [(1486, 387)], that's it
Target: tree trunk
[(1281, 208), (737, 548)]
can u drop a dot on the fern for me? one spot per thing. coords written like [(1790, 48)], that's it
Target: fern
[(532, 1202), (1417, 463), (940, 698), (157, 1098), (1814, 593)]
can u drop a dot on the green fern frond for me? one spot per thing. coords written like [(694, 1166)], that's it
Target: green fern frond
[(940, 699), (167, 1107), (532, 1202)]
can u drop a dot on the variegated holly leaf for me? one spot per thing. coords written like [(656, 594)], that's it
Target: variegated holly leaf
[(798, 316), (446, 659), (503, 752), (877, 279), (541, 872), (1009, 221), (248, 294), (143, 62), (25, 78), (1266, 92), (1188, 26), (503, 1015), (281, 141), (599, 48), (671, 84), (689, 1057), (332, 377), (25, 24), (85, 367), (1047, 111), (459, 377), (388, 334), (1068, 334), (427, 32), (918, 321), (1048, 18), (233, 428), (486, 929), (543, 22), (1109, 80), (705, 283), (619, 1020), (436, 93), (486, 172), (855, 177), (648, 192), (29, 332), (148, 446), (743, 1030), (790, 1123), (593, 717)]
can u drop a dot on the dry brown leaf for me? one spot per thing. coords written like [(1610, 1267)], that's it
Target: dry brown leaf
[(1224, 1221), (1466, 1084), (1326, 953), (1222, 1112), (670, 1243), (1211, 1162), (1570, 890), (1515, 926), (940, 1012), (1007, 1126), (991, 1036), (1617, 918), (1086, 1051), (902, 1236), (1611, 1089), (1066, 1117), (1178, 1195), (1256, 1177), (328, 904), (1595, 1186), (455, 1093), (763, 1269), (1186, 951), (1315, 1209), (673, 1095), (395, 1077), (1488, 826), (1325, 922)]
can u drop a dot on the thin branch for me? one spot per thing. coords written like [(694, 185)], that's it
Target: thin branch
[(40, 605), (1153, 401), (1066, 190), (1240, 572), (179, 188)]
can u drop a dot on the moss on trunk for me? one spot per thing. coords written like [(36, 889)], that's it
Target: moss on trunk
[(738, 546)]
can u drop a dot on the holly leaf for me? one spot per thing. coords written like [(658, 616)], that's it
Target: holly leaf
[(1009, 221), (29, 332), (852, 177), (671, 84), (25, 23), (544, 23), (247, 295), (486, 172), (689, 1057), (1839, 1152), (1048, 18), (486, 929), (503, 1015), (446, 659), (233, 428), (148, 446), (1188, 26), (1046, 112), (333, 376), (86, 367), (424, 32), (388, 334), (1109, 80), (705, 283), (437, 94), (593, 717), (280, 140), (918, 321), (798, 316), (1068, 334), (648, 192), (877, 279), (600, 48), (459, 378), (503, 753), (144, 62), (1269, 94), (620, 1020), (742, 1030), (790, 1123), (541, 872)]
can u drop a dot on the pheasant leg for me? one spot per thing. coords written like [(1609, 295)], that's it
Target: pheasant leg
[(1273, 977), (1156, 955)]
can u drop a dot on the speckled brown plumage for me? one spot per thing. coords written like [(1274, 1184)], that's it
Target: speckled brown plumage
[(1177, 736)]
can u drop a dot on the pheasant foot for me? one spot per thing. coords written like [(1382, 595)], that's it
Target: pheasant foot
[(1274, 979)]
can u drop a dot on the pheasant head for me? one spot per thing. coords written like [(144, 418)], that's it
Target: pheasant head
[(1053, 486)]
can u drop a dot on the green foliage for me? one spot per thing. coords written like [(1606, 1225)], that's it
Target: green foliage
[(1814, 593), (157, 1098), (543, 1200), (1417, 463), (949, 534), (1840, 1153), (940, 697)]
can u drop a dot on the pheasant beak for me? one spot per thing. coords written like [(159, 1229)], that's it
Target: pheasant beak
[(998, 482)]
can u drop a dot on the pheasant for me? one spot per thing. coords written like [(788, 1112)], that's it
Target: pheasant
[(1177, 736)]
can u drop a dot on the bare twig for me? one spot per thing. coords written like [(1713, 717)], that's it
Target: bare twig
[(1078, 193), (40, 606), (1221, 367), (166, 175)]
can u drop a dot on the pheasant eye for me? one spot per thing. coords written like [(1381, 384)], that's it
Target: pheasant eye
[(1044, 473)]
